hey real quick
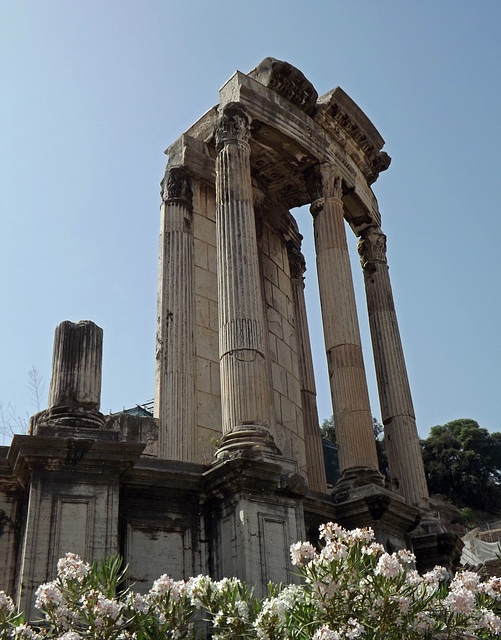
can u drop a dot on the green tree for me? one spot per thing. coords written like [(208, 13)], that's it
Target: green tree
[(463, 462), (328, 431)]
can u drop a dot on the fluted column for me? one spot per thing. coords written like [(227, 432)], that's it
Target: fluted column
[(245, 389), (75, 385), (313, 439), (175, 352), (397, 411), (350, 398)]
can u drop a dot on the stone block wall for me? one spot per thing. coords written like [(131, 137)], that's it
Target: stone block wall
[(288, 432), (282, 346), (208, 386)]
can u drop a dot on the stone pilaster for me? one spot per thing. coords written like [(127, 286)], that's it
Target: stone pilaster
[(350, 398), (313, 440), (175, 354), (397, 411), (245, 388)]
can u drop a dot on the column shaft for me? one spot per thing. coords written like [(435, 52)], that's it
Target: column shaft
[(350, 398), (397, 411), (245, 393), (76, 365), (313, 439), (175, 355)]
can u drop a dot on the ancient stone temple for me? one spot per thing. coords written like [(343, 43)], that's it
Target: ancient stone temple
[(230, 471)]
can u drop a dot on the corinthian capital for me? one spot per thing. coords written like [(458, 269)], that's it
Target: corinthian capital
[(176, 185), (332, 183), (372, 248), (297, 263), (324, 183), (232, 126)]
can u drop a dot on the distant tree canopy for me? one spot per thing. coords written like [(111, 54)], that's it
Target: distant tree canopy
[(463, 462)]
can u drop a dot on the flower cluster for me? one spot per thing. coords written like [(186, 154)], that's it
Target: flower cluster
[(356, 589), (350, 588)]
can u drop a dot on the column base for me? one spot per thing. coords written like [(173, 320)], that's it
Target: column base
[(247, 441), (67, 417), (353, 478)]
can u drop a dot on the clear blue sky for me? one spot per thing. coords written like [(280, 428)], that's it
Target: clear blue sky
[(93, 92)]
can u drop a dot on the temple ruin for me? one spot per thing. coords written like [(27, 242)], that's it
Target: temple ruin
[(230, 470)]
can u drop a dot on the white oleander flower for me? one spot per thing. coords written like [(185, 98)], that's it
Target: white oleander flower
[(165, 584), (406, 556), (71, 566), (436, 576), (489, 620), (388, 566), (331, 531), (334, 550), (460, 600), (6, 603), (302, 553), (324, 633), (70, 635), (25, 632), (48, 595), (492, 588)]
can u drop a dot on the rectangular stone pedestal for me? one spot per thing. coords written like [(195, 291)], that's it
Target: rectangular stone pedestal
[(73, 500), (255, 515)]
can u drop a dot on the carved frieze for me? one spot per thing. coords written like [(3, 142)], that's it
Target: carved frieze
[(290, 83), (350, 127)]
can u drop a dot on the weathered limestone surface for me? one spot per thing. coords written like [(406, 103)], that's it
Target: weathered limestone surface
[(350, 398), (244, 375), (75, 386), (256, 514), (175, 356), (11, 497), (313, 440), (163, 526), (208, 382), (76, 365), (397, 411), (73, 499), (283, 346)]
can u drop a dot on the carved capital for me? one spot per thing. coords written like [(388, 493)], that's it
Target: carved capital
[(176, 185), (297, 263), (372, 248), (317, 206), (332, 183), (232, 126), (324, 183)]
